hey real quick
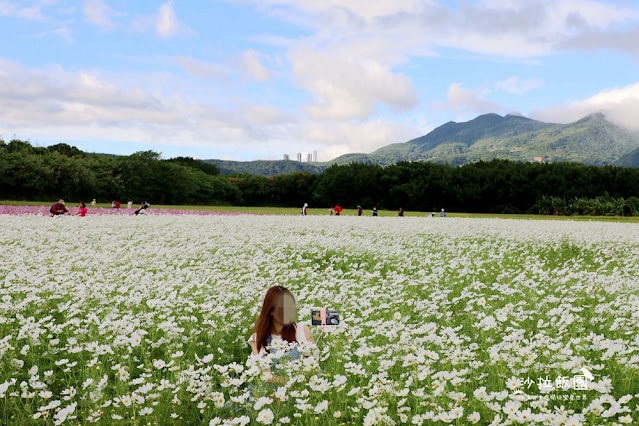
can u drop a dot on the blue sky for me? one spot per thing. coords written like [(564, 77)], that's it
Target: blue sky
[(254, 79)]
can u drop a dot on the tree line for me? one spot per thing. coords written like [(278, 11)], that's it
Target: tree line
[(497, 186), (37, 173)]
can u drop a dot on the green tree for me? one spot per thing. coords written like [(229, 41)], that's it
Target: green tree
[(66, 150), (16, 145), (208, 168)]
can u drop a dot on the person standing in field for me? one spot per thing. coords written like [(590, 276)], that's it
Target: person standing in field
[(442, 213), (93, 203), (58, 208), (338, 210), (374, 211), (401, 212), (129, 204), (359, 210), (304, 209)]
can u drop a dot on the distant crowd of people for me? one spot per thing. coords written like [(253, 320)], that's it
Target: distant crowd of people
[(337, 211), (59, 208)]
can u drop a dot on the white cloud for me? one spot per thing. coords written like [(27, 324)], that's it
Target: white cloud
[(246, 65), (65, 33), (348, 85), (201, 69), (345, 13), (467, 100), (251, 65), (54, 97), (99, 13), (337, 139), (619, 105), (32, 12), (56, 104), (496, 27), (167, 22), (625, 40), (517, 86), (350, 62), (164, 23)]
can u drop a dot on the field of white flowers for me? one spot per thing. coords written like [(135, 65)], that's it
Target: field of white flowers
[(137, 320)]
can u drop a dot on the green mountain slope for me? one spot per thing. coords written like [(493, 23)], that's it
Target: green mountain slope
[(631, 159), (591, 140)]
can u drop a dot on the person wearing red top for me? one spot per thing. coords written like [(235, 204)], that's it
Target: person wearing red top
[(338, 210), (117, 204), (58, 208), (82, 209)]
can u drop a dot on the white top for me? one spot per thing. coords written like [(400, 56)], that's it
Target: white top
[(300, 336)]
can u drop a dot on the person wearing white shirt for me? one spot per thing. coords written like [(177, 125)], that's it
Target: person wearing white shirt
[(276, 323)]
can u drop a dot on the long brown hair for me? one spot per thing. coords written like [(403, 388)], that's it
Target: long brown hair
[(263, 326)]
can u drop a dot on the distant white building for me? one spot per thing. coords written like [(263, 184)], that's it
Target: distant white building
[(309, 158), (299, 157), (286, 157), (314, 156)]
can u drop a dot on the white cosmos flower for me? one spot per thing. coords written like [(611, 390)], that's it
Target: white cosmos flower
[(262, 402), (159, 364), (218, 399), (61, 415), (135, 339), (122, 374), (265, 416), (474, 417), (145, 411), (280, 393), (126, 400), (513, 383), (541, 297), (321, 407)]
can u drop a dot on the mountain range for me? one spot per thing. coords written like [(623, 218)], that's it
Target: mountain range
[(593, 140)]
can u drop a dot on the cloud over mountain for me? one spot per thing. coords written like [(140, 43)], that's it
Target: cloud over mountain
[(619, 105)]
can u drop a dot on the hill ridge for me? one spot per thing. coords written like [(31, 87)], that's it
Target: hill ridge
[(590, 140)]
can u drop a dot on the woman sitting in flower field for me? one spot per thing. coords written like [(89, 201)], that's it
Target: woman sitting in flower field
[(82, 209), (275, 327)]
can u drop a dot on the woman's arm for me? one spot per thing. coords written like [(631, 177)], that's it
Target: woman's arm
[(254, 347), (308, 334)]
